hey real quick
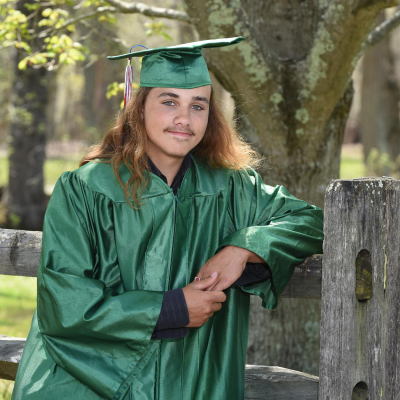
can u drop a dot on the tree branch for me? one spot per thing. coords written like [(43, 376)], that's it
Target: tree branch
[(148, 11), (99, 11), (383, 29), (124, 8), (105, 37)]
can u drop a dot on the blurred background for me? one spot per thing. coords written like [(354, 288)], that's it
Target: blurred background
[(59, 95)]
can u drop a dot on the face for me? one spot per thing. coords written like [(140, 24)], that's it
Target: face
[(175, 120)]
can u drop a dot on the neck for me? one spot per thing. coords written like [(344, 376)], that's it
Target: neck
[(169, 166)]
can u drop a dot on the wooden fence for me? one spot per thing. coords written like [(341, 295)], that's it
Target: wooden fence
[(358, 280)]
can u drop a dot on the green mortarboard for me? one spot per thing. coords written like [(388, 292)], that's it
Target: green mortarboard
[(181, 66)]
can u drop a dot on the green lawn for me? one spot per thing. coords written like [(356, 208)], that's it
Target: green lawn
[(3, 171), (18, 294), (352, 165), (53, 168)]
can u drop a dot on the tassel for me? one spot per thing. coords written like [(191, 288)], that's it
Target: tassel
[(129, 78), (128, 83)]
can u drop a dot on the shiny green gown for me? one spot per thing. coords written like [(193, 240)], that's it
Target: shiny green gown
[(105, 266)]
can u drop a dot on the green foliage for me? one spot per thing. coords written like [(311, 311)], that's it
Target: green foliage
[(157, 28), (52, 25), (115, 88), (53, 29), (381, 164), (15, 219), (13, 27)]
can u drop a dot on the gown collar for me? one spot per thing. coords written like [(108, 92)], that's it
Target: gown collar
[(176, 183)]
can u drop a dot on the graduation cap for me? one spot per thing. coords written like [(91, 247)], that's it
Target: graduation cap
[(182, 66)]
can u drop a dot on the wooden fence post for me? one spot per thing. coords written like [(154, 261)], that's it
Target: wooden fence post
[(360, 324)]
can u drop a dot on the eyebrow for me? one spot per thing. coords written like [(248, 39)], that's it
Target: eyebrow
[(175, 96)]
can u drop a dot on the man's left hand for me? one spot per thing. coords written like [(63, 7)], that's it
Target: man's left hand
[(229, 263)]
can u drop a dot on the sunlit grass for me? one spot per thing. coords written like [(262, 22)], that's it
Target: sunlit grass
[(3, 171), (352, 164), (6, 388), (53, 168), (17, 305), (350, 168)]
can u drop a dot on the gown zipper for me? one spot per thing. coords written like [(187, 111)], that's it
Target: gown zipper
[(176, 201)]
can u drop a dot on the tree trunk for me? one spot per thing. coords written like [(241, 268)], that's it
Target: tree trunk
[(24, 197), (379, 116), (291, 80), (97, 110)]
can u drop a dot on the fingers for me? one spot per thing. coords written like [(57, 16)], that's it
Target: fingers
[(219, 285), (216, 307), (217, 297), (211, 287), (206, 282)]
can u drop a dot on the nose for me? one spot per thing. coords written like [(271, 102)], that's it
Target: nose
[(182, 117)]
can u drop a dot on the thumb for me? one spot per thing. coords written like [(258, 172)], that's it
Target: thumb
[(206, 282)]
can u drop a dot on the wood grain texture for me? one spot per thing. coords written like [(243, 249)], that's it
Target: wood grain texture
[(306, 280), (10, 354), (360, 339), (19, 252), (278, 383)]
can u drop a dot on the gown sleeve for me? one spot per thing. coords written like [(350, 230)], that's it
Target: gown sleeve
[(91, 327), (276, 226)]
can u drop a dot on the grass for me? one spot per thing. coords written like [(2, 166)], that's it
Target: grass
[(352, 165), (3, 171), (18, 294), (53, 168), (6, 388), (17, 305)]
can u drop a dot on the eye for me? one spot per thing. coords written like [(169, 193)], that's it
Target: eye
[(197, 107), (169, 103)]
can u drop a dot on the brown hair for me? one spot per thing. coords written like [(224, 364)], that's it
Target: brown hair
[(221, 146)]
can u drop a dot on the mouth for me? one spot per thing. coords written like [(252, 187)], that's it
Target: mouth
[(180, 134)]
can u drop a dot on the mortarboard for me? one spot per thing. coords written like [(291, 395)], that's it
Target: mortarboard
[(182, 66)]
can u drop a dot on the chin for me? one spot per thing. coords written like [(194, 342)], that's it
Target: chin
[(178, 154)]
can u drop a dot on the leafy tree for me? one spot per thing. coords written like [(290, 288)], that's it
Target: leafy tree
[(47, 35)]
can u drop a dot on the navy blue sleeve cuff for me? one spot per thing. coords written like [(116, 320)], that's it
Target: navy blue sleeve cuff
[(174, 316), (253, 272)]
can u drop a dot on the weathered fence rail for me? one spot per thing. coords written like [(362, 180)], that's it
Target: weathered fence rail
[(358, 276), (20, 253)]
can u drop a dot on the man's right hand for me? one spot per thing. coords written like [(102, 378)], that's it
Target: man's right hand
[(200, 304)]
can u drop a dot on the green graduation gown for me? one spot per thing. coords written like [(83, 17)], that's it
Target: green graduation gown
[(105, 266)]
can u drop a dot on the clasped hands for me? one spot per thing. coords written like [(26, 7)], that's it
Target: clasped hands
[(229, 263), (204, 297)]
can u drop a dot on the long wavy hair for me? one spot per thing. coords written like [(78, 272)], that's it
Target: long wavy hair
[(126, 141)]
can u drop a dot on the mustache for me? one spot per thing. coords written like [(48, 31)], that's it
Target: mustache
[(176, 129)]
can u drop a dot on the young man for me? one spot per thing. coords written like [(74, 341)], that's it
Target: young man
[(145, 275)]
